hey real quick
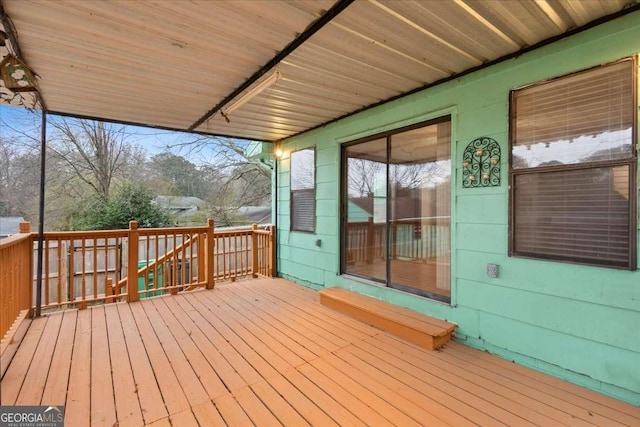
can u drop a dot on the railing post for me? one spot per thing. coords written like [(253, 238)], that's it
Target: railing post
[(254, 250), (370, 241), (108, 290), (25, 227), (272, 250), (132, 263), (210, 254)]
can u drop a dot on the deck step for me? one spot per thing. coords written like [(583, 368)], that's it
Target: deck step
[(418, 328)]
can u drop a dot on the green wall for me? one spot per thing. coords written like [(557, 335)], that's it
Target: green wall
[(577, 322)]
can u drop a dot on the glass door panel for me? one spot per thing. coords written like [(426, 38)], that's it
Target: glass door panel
[(420, 211), (365, 237)]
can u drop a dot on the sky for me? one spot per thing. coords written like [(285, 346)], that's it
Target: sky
[(153, 141)]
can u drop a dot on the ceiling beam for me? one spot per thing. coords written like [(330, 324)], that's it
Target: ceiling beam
[(299, 40)]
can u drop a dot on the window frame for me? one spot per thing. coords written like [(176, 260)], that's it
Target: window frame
[(630, 162), (292, 191)]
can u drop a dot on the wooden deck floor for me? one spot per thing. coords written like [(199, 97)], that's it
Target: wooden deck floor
[(265, 352)]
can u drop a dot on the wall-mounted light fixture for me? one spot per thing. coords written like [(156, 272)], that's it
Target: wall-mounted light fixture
[(250, 94), (278, 152), (17, 76)]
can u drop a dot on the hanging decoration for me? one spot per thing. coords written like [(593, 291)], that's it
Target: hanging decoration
[(481, 163), (17, 76)]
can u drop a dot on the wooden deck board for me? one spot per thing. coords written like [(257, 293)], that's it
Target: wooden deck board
[(217, 320), (278, 405), (55, 390), (103, 406), (590, 402), (228, 375), (299, 299), (301, 403), (36, 378), (78, 406), (375, 402), (352, 403), (296, 353), (446, 393), (208, 377), (183, 419), (207, 415), (228, 353), (172, 394), (389, 394), (303, 331), (232, 412), (147, 387), (191, 385), (15, 375), (552, 408), (324, 401), (331, 336), (255, 409), (277, 355), (125, 392), (265, 352)]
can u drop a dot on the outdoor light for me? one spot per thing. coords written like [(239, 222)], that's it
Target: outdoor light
[(17, 76), (278, 152), (250, 94)]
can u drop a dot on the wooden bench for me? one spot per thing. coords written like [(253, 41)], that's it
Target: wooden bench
[(418, 328)]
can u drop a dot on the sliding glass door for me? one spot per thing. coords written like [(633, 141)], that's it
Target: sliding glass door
[(397, 207)]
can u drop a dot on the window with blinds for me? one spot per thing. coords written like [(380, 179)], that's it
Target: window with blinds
[(303, 190), (573, 168)]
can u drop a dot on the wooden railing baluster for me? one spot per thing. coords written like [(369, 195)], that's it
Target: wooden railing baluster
[(209, 266), (187, 262)]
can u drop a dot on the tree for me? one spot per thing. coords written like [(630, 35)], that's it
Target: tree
[(93, 152), (176, 176), (131, 202), (19, 179), (233, 178)]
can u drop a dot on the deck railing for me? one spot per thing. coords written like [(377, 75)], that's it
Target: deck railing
[(82, 268), (16, 265), (410, 238)]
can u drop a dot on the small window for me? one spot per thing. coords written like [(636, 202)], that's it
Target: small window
[(573, 168), (303, 190)]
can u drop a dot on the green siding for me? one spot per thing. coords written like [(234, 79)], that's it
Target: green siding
[(577, 322)]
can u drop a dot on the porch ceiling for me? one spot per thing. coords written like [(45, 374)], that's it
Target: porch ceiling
[(168, 63)]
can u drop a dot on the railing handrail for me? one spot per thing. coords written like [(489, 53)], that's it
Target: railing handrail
[(78, 235), (14, 239), (172, 230)]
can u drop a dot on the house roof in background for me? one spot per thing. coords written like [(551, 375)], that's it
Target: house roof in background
[(10, 225), (256, 214), (179, 202), (168, 64)]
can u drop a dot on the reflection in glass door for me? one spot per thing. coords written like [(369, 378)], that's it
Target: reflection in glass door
[(420, 201), (396, 210), (366, 210)]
